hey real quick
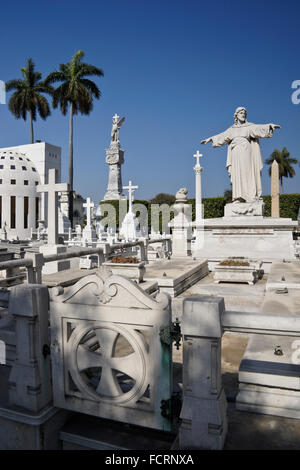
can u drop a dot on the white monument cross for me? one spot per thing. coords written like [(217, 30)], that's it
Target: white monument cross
[(89, 206), (116, 117), (52, 188), (198, 155), (131, 190), (198, 196)]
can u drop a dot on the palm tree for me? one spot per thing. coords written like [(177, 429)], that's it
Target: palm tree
[(285, 163), (27, 97), (75, 93)]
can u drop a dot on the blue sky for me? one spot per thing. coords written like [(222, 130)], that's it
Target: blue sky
[(176, 70)]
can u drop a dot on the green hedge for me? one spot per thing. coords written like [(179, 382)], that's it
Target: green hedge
[(213, 208), (288, 205)]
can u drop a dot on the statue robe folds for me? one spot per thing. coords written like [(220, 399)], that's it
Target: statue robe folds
[(244, 162)]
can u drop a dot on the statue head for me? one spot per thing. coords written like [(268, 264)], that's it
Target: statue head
[(240, 114)]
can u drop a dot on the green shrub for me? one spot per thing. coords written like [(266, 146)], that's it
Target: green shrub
[(213, 208), (288, 205)]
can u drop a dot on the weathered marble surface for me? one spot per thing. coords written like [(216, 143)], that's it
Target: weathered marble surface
[(261, 238), (105, 311)]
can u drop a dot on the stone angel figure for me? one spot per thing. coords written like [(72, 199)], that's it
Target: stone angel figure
[(115, 128)]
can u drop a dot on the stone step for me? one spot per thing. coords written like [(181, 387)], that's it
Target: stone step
[(84, 432)]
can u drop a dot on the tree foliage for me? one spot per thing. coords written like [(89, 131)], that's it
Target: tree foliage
[(28, 96), (285, 164), (163, 198), (76, 93)]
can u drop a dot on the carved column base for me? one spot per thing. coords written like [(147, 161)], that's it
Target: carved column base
[(203, 423)]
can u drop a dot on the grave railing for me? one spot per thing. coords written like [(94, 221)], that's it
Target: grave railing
[(203, 413), (33, 262)]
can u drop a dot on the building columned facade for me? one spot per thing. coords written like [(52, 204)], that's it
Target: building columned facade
[(19, 200)]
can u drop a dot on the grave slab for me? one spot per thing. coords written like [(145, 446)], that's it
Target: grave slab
[(269, 383), (176, 275), (284, 275)]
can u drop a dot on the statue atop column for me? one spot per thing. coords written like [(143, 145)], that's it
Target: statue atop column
[(115, 158), (115, 128), (244, 162)]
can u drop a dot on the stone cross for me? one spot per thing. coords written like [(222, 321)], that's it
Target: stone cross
[(275, 190), (89, 206), (131, 190), (198, 192), (198, 155), (116, 117), (52, 188)]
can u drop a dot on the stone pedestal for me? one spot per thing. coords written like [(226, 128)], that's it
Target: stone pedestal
[(114, 158), (54, 266), (199, 238), (181, 242), (261, 238), (89, 234), (181, 226), (247, 209)]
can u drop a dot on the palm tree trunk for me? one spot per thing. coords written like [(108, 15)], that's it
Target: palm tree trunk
[(31, 127), (281, 184), (71, 165)]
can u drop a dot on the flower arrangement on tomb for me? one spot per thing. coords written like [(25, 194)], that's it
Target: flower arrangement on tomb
[(122, 259), (232, 262)]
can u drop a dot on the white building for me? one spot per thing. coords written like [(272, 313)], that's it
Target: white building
[(19, 201), (44, 156)]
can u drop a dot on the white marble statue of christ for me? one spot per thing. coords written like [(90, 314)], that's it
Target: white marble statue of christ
[(244, 162)]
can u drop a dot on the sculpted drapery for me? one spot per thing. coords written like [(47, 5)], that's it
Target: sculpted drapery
[(244, 162)]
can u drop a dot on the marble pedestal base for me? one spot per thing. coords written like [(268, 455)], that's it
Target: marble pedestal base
[(54, 266), (262, 238), (89, 234), (181, 242), (247, 209)]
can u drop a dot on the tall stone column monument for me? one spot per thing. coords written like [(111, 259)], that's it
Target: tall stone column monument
[(115, 158)]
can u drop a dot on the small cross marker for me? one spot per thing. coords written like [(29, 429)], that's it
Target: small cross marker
[(52, 188), (89, 206), (198, 155), (131, 190)]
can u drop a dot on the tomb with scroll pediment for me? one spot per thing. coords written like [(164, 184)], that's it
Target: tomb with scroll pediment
[(107, 356)]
